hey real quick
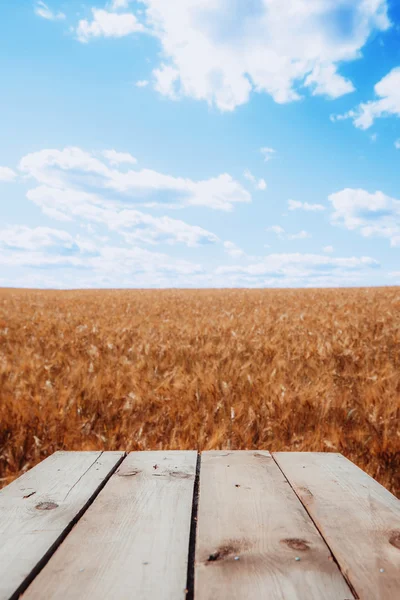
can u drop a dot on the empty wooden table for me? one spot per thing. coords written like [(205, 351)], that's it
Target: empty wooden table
[(216, 526)]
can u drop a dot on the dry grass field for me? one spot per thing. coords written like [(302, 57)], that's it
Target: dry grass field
[(272, 369)]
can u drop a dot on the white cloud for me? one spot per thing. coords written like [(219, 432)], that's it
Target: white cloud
[(298, 269), (72, 184), (299, 236), (117, 4), (283, 235), (45, 257), (233, 250), (276, 229), (295, 205), (325, 81), (374, 137), (72, 261), (108, 24), (328, 249), (373, 215), (249, 176), (73, 167), (387, 104), (142, 83), (42, 10), (267, 153), (349, 115), (219, 52), (85, 264), (259, 184), (7, 174), (116, 158), (397, 144), (166, 81), (27, 238), (135, 226)]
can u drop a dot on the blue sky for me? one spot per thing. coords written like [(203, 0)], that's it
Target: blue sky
[(200, 143)]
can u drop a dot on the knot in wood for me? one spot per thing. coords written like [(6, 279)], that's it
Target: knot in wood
[(46, 506), (394, 539), (296, 544)]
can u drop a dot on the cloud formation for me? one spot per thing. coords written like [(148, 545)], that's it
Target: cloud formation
[(294, 205), (74, 185), (7, 174), (222, 51), (84, 263), (108, 24), (371, 214), (259, 184), (75, 168), (387, 104), (267, 153), (297, 268), (42, 10), (119, 158), (233, 250), (283, 235)]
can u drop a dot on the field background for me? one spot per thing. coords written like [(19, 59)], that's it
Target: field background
[(270, 369)]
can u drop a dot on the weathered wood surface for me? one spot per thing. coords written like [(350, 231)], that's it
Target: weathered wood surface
[(250, 529), (133, 541), (359, 519), (37, 509)]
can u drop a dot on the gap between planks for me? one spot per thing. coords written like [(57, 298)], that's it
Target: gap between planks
[(134, 539), (254, 538), (191, 570), (193, 533), (358, 518), (36, 565), (356, 596)]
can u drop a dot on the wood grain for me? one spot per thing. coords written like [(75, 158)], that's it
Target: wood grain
[(133, 541), (359, 519), (251, 527), (37, 509)]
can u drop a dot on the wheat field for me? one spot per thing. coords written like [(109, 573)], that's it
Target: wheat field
[(306, 370)]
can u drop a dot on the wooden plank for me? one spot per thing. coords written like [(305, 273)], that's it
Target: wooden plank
[(251, 528), (359, 519), (37, 509), (133, 541)]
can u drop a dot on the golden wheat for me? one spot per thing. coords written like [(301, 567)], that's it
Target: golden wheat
[(272, 369)]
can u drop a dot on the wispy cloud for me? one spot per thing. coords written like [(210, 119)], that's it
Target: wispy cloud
[(118, 158), (298, 269), (284, 235), (267, 153), (259, 184), (388, 103), (7, 174), (294, 205), (233, 250), (108, 24), (42, 10), (74, 185), (72, 167)]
